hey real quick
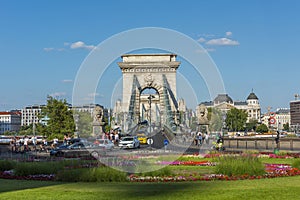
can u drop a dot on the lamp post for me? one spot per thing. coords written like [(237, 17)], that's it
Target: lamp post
[(76, 118), (150, 103)]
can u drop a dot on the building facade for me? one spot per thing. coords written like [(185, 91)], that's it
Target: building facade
[(295, 115), (30, 115), (224, 103), (280, 117), (10, 121)]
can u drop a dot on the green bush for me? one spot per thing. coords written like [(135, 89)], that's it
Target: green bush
[(33, 168), (6, 165), (99, 174), (296, 163), (239, 165), (251, 151), (166, 171)]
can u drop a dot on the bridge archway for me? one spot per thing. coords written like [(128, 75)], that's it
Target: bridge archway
[(149, 71)]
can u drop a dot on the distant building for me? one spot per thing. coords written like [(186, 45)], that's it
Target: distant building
[(282, 116), (224, 103), (90, 109), (295, 114), (30, 115), (10, 121)]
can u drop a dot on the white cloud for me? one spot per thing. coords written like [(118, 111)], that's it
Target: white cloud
[(95, 95), (58, 94), (205, 50), (75, 45), (67, 81), (223, 42), (48, 49), (81, 45), (201, 40), (228, 33)]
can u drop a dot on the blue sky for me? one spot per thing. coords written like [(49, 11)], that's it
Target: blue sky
[(254, 44)]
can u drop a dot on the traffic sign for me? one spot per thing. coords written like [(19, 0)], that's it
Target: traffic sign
[(166, 142), (272, 120), (150, 141)]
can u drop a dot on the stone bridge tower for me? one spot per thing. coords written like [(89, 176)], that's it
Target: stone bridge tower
[(149, 71)]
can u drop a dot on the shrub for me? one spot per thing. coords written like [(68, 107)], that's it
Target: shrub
[(166, 171), (33, 168), (6, 165), (282, 153), (100, 174), (296, 163), (239, 165), (251, 151)]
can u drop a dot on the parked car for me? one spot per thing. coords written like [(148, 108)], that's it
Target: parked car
[(5, 139), (78, 149), (105, 143), (37, 139), (129, 142)]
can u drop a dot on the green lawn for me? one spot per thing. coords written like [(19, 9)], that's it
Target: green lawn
[(279, 188)]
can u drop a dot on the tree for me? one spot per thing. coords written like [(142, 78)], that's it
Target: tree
[(85, 121), (251, 125), (60, 118), (215, 118), (286, 127), (236, 119), (262, 128)]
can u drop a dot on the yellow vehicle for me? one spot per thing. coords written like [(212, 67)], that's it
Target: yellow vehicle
[(142, 138)]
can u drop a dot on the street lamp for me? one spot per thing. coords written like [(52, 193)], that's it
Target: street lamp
[(150, 102), (76, 118)]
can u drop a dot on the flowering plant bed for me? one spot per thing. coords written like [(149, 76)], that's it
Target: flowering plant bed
[(273, 171), (187, 163), (40, 177), (186, 168)]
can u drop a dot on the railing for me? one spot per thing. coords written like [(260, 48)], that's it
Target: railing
[(268, 144)]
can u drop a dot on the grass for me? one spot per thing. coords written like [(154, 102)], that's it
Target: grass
[(239, 165), (279, 188)]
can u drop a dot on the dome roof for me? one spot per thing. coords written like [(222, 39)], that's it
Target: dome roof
[(252, 96), (221, 98)]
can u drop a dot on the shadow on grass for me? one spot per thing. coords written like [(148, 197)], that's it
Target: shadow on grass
[(8, 185), (158, 190)]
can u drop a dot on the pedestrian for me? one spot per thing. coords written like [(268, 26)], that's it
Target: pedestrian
[(200, 138), (65, 139), (207, 138), (54, 143), (13, 144), (26, 140)]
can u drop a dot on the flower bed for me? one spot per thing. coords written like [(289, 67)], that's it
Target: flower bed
[(186, 163), (40, 177), (181, 174), (273, 171)]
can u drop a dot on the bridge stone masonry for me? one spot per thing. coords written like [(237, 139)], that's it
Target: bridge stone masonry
[(149, 71)]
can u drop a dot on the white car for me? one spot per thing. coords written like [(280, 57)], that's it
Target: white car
[(105, 143), (129, 142)]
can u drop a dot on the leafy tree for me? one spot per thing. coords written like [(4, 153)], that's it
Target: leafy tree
[(236, 119), (262, 128), (85, 121), (60, 118), (251, 125), (286, 127), (26, 130), (214, 116)]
